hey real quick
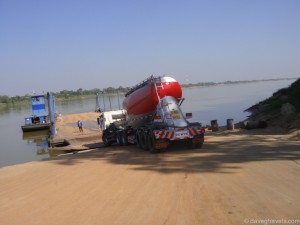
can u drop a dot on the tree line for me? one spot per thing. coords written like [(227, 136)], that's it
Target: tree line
[(65, 94), (80, 93)]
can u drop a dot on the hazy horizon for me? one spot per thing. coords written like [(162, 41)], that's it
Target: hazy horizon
[(221, 82), (67, 45)]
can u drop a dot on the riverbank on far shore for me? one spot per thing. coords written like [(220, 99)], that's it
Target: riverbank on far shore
[(237, 176), (7, 102)]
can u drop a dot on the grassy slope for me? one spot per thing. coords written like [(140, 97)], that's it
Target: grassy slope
[(269, 109), (290, 94)]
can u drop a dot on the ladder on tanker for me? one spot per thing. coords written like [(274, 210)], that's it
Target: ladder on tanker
[(157, 86)]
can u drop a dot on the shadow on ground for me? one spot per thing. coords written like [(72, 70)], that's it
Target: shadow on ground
[(216, 155)]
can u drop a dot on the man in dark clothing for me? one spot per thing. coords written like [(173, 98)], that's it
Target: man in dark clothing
[(79, 124)]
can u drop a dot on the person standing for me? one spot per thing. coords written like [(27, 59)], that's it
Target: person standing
[(79, 124)]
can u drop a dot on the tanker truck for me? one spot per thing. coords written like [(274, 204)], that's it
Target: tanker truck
[(151, 118)]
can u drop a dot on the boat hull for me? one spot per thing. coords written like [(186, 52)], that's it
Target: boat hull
[(35, 127)]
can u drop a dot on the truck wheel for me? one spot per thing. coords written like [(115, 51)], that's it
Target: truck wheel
[(199, 145), (144, 140), (191, 145), (105, 140), (195, 146), (138, 140), (119, 139), (124, 138), (151, 143)]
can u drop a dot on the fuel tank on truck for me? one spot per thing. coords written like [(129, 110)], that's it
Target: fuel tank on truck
[(141, 101)]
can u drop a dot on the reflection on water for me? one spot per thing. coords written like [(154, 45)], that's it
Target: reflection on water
[(40, 138)]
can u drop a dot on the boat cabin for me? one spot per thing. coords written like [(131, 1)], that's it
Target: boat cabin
[(35, 120), (39, 118)]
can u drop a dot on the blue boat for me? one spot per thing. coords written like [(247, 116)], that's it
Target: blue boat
[(39, 119)]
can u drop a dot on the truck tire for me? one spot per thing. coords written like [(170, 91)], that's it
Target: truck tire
[(119, 139), (200, 144), (144, 140), (195, 146), (105, 140), (191, 145), (151, 143), (138, 139), (124, 138)]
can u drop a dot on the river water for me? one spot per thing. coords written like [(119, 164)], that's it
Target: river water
[(219, 102)]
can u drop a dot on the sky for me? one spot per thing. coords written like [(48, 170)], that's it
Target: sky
[(70, 44)]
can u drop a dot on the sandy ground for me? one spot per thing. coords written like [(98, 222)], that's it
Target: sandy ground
[(66, 126), (239, 177)]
